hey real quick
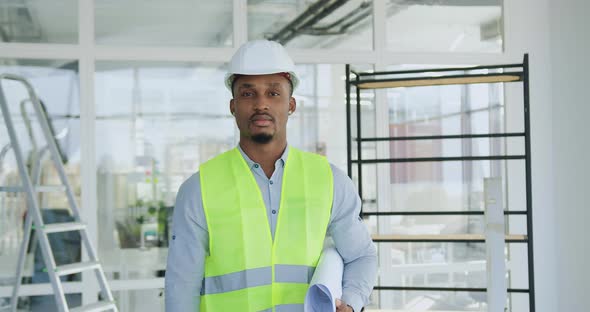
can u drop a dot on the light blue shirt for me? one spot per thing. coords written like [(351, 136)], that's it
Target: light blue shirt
[(190, 238)]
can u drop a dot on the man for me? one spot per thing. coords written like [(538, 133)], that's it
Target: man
[(249, 227)]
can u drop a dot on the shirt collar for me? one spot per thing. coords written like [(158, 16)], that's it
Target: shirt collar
[(282, 160)]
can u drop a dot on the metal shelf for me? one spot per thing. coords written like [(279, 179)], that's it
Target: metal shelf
[(505, 73)]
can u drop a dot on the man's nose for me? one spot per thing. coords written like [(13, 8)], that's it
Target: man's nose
[(261, 104)]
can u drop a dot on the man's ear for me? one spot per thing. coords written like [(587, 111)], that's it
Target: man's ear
[(292, 105), (232, 107)]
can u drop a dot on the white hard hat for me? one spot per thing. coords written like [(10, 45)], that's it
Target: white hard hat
[(260, 57)]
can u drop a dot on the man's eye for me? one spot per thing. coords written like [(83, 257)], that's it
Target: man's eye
[(247, 93), (274, 94)]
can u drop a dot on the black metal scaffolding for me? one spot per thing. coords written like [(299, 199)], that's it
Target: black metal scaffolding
[(507, 73)]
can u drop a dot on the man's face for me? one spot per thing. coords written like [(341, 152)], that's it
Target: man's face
[(261, 106)]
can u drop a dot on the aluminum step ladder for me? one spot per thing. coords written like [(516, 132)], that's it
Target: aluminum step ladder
[(30, 186)]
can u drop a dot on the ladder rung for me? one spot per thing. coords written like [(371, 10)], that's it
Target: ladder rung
[(63, 227), (12, 189), (38, 188), (50, 188), (95, 307), (76, 267)]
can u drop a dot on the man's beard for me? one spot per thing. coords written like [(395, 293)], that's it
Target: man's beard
[(262, 138)]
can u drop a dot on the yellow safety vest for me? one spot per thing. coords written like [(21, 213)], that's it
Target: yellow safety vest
[(245, 269)]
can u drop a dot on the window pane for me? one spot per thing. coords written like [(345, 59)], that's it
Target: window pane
[(313, 24), (56, 85), (39, 21), (445, 26), (319, 124), (155, 124), (164, 23)]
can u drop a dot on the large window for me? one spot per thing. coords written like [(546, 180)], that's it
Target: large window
[(155, 123)]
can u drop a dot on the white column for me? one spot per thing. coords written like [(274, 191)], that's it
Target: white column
[(570, 66), (526, 30), (87, 131)]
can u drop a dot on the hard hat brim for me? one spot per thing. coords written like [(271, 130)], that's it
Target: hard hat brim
[(229, 78)]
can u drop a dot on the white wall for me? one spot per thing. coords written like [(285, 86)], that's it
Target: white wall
[(555, 33), (526, 31), (570, 67)]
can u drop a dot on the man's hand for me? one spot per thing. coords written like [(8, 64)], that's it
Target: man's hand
[(341, 306)]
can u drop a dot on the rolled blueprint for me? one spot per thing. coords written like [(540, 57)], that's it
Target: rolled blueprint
[(326, 282)]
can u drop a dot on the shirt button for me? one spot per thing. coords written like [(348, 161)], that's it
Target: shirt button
[(274, 212), (256, 166), (271, 182)]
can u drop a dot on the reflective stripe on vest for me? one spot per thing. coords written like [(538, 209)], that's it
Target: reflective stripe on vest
[(284, 273), (245, 269), (236, 281)]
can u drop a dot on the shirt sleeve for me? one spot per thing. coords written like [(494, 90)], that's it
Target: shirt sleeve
[(353, 242), (187, 249)]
